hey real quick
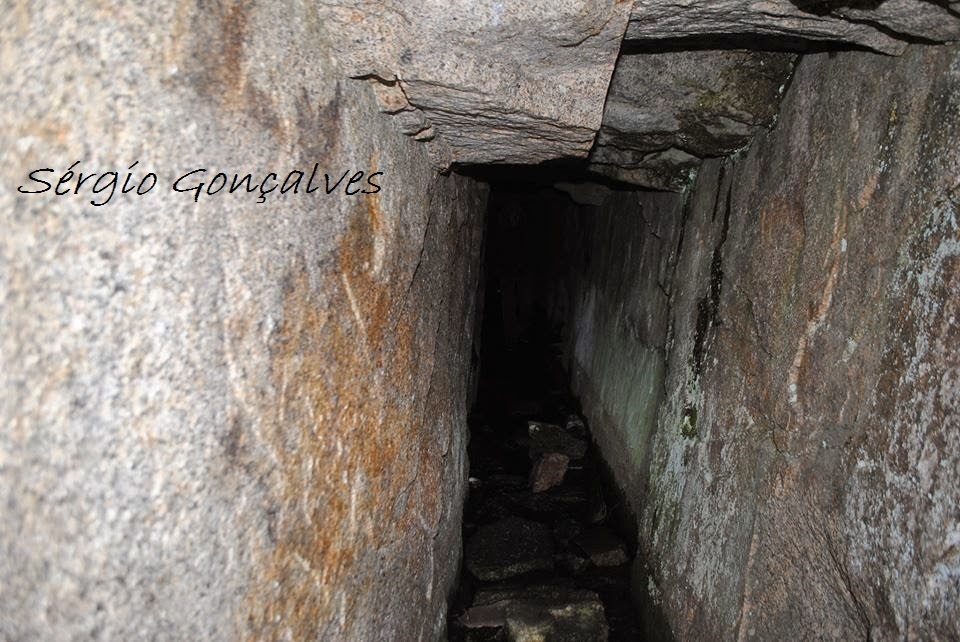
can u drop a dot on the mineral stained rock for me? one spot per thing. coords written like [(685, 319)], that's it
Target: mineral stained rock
[(775, 379), (191, 393), (807, 445)]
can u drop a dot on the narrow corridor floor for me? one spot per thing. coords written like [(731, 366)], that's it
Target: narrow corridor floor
[(542, 560)]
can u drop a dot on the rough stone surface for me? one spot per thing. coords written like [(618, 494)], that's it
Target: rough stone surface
[(231, 420), (548, 471), (797, 313), (551, 438), (667, 111), (574, 617), (487, 81), (541, 612), (509, 547), (766, 362), (223, 420), (615, 301), (493, 82), (804, 448), (882, 25)]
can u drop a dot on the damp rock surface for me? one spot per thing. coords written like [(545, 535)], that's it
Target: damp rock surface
[(846, 389)]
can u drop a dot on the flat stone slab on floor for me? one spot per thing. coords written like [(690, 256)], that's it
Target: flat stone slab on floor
[(540, 613), (560, 500), (509, 547), (602, 546), (574, 617)]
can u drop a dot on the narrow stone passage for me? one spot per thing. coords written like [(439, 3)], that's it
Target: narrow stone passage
[(542, 557)]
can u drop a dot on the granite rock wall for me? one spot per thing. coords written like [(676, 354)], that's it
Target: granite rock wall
[(805, 463), (223, 419), (239, 411), (768, 363)]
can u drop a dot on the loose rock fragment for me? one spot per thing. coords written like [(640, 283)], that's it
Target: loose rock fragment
[(509, 547), (548, 471), (572, 616), (484, 616), (551, 438), (541, 612)]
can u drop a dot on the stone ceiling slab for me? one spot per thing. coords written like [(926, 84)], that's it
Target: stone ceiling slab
[(666, 112), (486, 81), (882, 25)]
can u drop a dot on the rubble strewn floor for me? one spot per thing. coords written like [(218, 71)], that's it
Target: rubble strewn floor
[(542, 558)]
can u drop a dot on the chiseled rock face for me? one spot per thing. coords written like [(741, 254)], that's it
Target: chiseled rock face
[(486, 81), (665, 112), (882, 25), (224, 420), (804, 472)]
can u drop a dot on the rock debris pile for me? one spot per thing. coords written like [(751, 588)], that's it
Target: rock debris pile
[(541, 558)]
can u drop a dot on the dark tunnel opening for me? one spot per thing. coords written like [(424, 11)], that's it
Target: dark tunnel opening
[(549, 538)]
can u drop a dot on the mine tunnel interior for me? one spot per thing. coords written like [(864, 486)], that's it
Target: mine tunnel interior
[(645, 327), (545, 519)]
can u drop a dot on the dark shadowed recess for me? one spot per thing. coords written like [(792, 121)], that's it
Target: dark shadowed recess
[(522, 379), (735, 41), (524, 178)]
